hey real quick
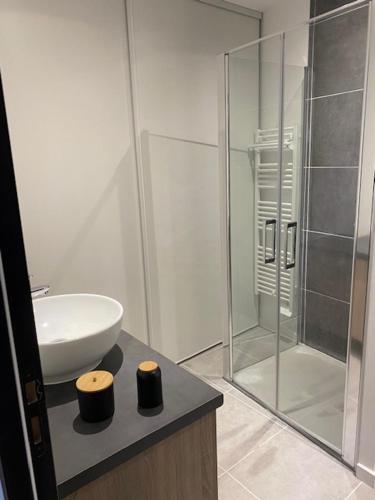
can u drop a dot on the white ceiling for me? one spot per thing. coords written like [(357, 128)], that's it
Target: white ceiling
[(255, 4)]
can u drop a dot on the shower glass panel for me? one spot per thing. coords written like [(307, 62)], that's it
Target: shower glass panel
[(323, 99), (295, 125), (254, 154), (295, 378)]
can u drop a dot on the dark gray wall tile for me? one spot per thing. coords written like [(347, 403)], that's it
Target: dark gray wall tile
[(336, 130), (312, 8), (323, 6), (326, 324), (332, 202), (329, 265), (338, 64), (340, 53)]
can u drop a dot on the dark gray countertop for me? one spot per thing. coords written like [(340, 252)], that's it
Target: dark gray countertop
[(82, 451)]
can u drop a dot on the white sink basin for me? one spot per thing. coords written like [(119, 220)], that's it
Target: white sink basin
[(74, 333)]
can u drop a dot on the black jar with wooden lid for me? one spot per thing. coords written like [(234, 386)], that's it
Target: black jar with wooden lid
[(150, 394), (95, 396)]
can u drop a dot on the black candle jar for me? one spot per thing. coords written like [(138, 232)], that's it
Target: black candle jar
[(95, 396), (149, 385)]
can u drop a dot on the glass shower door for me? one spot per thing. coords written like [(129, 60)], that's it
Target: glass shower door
[(295, 126), (296, 376), (323, 103), (254, 157)]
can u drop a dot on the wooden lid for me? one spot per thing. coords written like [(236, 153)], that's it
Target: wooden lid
[(95, 381), (148, 366)]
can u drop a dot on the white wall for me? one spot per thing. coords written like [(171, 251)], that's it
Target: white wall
[(65, 72), (64, 66), (289, 16), (175, 47), (284, 15)]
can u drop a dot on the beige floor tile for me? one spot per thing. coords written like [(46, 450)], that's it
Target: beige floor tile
[(220, 471), (364, 492), (209, 366), (240, 430), (229, 489), (253, 404), (288, 468)]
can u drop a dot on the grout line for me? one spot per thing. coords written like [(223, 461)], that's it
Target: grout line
[(334, 95), (243, 486), (326, 167), (353, 491), (256, 448), (328, 234), (327, 296), (221, 473)]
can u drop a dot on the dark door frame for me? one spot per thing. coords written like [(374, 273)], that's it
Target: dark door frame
[(25, 444)]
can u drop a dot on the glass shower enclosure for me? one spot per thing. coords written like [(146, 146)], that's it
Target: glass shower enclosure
[(295, 106)]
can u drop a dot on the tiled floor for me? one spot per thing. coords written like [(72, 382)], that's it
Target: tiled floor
[(260, 457), (314, 398)]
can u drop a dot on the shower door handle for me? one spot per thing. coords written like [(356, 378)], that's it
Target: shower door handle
[(269, 222), (293, 226)]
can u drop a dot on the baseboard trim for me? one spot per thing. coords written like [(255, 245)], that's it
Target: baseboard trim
[(366, 475)]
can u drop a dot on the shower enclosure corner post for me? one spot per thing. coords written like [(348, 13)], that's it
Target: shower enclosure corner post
[(360, 346), (279, 201), (224, 157)]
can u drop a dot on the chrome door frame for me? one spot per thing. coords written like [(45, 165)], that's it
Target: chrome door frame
[(361, 259)]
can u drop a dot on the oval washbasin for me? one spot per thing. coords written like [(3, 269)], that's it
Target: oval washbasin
[(74, 333)]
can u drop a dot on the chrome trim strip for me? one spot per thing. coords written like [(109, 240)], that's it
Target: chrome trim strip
[(360, 270)]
